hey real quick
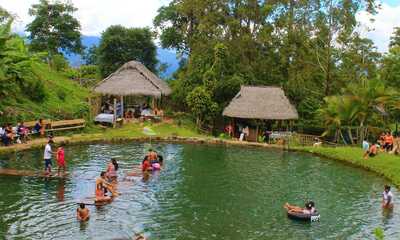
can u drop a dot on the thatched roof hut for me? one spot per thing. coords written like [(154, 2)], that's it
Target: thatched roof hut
[(133, 79), (261, 102)]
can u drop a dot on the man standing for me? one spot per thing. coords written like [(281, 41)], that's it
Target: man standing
[(48, 153)]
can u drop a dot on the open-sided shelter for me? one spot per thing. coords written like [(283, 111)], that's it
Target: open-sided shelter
[(133, 79), (260, 103)]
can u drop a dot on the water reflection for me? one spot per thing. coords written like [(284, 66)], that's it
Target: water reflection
[(61, 190)]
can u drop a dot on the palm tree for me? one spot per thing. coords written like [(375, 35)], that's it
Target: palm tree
[(358, 108)]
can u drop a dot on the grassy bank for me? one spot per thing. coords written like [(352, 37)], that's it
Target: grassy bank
[(135, 130), (126, 132), (63, 99), (384, 164)]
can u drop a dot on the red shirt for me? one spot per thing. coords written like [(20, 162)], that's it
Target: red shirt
[(60, 156), (145, 166)]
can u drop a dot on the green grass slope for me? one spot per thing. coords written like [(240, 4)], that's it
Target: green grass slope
[(64, 99), (385, 164)]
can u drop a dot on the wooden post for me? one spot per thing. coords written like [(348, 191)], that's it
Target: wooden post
[(115, 113), (257, 132), (122, 106)]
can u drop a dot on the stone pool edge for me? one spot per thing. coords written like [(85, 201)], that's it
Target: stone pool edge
[(190, 140)]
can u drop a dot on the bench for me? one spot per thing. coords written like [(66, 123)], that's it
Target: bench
[(52, 126), (67, 125), (31, 124)]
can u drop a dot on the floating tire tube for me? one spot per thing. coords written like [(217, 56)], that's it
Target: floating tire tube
[(314, 217)]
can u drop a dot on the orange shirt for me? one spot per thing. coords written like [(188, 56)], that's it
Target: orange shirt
[(389, 139)]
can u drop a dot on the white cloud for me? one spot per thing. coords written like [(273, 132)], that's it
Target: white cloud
[(381, 29), (95, 15)]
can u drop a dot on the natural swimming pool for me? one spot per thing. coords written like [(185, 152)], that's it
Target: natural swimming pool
[(204, 192)]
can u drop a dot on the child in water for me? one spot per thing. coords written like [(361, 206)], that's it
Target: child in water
[(82, 213), (61, 159), (387, 198)]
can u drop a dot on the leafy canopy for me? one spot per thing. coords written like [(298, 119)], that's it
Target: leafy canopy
[(54, 28), (119, 45)]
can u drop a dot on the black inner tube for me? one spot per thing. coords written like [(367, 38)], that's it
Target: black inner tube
[(304, 217)]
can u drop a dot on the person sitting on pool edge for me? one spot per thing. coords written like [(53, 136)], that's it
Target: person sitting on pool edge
[(373, 151), (309, 208), (387, 197), (82, 213), (101, 188)]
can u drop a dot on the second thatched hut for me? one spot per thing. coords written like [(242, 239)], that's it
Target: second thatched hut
[(254, 105)]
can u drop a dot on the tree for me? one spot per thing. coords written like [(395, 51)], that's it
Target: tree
[(90, 55), (395, 38), (4, 16), (390, 71), (119, 45), (17, 66), (360, 106), (201, 105), (306, 47), (54, 28)]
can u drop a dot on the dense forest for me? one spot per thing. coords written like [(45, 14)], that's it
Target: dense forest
[(336, 78), (310, 48)]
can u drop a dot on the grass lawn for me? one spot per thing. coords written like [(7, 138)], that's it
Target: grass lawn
[(385, 164), (135, 130)]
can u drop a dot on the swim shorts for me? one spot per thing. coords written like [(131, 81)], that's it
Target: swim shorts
[(47, 163)]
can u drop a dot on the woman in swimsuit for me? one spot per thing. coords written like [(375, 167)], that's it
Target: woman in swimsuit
[(101, 187), (112, 169), (309, 208)]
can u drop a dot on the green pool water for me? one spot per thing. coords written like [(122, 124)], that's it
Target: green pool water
[(204, 192)]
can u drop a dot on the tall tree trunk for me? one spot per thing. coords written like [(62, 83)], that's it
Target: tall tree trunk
[(350, 135), (341, 135)]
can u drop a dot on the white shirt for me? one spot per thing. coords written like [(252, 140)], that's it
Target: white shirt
[(365, 145), (47, 152), (2, 131), (386, 196)]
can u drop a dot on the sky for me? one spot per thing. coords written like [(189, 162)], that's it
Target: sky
[(96, 15)]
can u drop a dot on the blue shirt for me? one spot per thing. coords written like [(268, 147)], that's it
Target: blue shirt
[(365, 145)]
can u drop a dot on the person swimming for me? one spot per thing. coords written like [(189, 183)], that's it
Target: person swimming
[(146, 165), (387, 197), (160, 160), (157, 164), (152, 155), (112, 169), (309, 208), (101, 188), (82, 213)]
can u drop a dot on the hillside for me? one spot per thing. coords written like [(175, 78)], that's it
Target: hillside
[(63, 99)]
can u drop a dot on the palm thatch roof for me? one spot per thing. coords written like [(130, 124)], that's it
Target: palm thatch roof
[(133, 79), (262, 102)]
